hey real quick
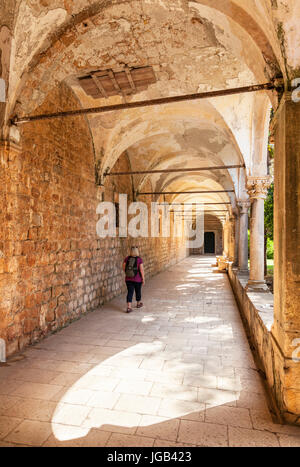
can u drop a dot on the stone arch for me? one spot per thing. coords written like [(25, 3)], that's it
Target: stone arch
[(167, 118), (65, 30), (192, 182), (244, 16)]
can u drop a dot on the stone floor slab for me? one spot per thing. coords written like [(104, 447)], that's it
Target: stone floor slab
[(36, 390), (158, 427), (289, 441), (178, 372), (242, 437), (143, 405), (32, 409), (203, 434), (232, 416), (182, 409), (7, 424), (112, 420), (33, 433), (121, 440)]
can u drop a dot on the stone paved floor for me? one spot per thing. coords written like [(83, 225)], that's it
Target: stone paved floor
[(178, 372)]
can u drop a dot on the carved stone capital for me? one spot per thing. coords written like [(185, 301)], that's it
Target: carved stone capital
[(258, 187), (244, 205)]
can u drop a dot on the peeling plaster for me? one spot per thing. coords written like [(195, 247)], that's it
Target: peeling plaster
[(30, 33), (287, 16)]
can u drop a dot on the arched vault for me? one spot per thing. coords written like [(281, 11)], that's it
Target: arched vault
[(192, 135), (191, 46)]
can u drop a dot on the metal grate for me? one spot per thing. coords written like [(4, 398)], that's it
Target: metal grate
[(103, 84)]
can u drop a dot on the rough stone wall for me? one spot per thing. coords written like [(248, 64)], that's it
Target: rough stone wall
[(7, 10), (53, 267), (48, 242)]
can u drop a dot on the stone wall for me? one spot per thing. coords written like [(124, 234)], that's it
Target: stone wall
[(53, 267)]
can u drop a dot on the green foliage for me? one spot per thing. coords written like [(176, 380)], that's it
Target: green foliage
[(270, 249), (269, 213), (249, 240), (271, 151)]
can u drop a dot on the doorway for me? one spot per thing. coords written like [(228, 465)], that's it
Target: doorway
[(209, 242)]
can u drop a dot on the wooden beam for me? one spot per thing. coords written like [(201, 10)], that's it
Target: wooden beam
[(130, 80), (99, 85), (114, 81)]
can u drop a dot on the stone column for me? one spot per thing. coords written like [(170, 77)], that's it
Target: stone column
[(287, 258), (231, 248), (243, 236), (225, 237), (236, 239), (257, 190)]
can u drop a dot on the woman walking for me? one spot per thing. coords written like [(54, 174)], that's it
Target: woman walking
[(134, 277)]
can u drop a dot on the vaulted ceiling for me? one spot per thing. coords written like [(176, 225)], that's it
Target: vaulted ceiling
[(191, 47)]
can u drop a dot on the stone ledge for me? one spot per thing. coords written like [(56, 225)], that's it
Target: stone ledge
[(222, 263), (262, 301), (256, 309)]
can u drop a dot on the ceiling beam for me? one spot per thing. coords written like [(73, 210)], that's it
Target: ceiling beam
[(99, 85), (130, 80), (182, 192), (195, 204), (159, 171), (151, 102), (192, 211), (114, 81)]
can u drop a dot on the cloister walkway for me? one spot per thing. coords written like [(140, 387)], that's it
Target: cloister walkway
[(178, 372)]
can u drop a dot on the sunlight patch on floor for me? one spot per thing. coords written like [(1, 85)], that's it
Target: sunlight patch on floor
[(184, 399)]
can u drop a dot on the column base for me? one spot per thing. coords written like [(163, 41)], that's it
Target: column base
[(243, 271), (257, 286)]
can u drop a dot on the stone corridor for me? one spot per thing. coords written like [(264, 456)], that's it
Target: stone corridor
[(178, 372)]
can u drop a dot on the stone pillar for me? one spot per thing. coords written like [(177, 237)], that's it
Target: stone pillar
[(286, 327), (225, 237), (243, 236), (236, 239), (257, 190), (231, 248)]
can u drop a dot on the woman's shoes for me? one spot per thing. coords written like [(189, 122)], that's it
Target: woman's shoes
[(129, 310)]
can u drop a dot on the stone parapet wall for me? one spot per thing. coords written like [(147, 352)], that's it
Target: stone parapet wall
[(257, 313)]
